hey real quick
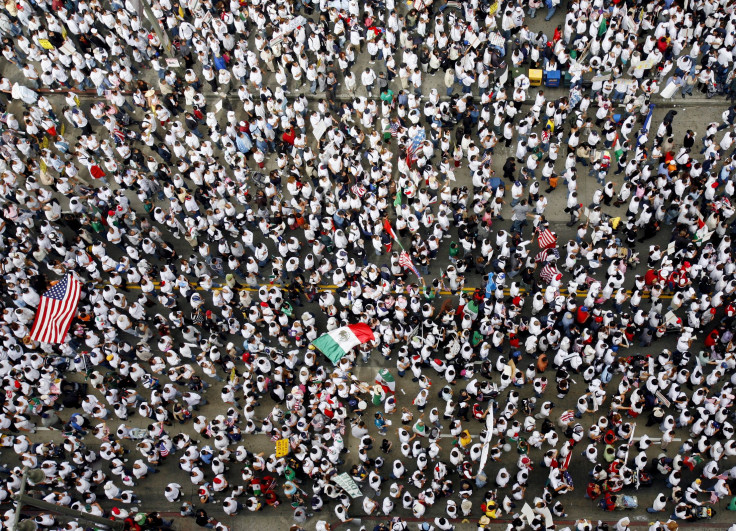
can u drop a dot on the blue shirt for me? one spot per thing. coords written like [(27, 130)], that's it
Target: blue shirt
[(244, 143)]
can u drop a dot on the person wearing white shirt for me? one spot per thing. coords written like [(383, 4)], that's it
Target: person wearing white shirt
[(368, 78)]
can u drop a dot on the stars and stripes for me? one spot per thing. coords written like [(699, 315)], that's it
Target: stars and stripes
[(547, 254), (566, 462), (405, 260), (56, 311), (549, 272), (567, 416), (406, 263), (415, 144), (162, 449), (394, 128), (358, 189), (547, 239)]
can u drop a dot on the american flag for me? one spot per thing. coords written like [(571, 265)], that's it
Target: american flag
[(406, 263), (547, 239), (567, 416), (358, 190), (162, 449), (566, 462), (56, 311), (394, 128), (549, 272), (547, 254), (416, 143)]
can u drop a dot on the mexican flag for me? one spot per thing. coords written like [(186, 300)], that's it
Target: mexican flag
[(397, 201), (618, 149), (386, 380), (387, 227), (340, 341)]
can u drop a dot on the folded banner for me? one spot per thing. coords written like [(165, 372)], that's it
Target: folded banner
[(340, 341)]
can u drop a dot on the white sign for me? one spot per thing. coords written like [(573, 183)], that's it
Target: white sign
[(528, 513), (348, 485), (598, 79), (662, 398), (287, 28), (319, 129), (496, 39), (489, 435), (670, 318)]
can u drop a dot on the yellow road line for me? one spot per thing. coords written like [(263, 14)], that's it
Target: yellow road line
[(331, 287)]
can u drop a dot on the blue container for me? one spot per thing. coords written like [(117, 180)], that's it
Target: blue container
[(552, 78)]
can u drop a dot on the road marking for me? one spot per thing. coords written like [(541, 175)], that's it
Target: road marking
[(331, 287)]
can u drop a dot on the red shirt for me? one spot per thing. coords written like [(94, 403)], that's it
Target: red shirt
[(289, 136)]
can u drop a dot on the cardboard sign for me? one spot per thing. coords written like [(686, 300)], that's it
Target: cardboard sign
[(348, 485), (282, 447), (172, 63), (45, 44)]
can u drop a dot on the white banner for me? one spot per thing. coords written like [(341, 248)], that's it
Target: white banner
[(489, 438), (348, 484)]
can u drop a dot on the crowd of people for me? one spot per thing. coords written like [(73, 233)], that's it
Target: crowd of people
[(257, 189)]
